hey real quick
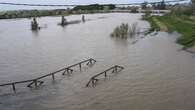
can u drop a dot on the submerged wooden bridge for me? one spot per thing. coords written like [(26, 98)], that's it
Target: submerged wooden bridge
[(93, 80), (37, 81)]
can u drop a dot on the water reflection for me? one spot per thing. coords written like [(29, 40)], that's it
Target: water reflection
[(35, 32), (120, 42)]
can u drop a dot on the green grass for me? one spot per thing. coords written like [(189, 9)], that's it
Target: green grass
[(153, 24), (182, 26), (179, 24)]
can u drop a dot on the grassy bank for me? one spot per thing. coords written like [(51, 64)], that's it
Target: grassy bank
[(153, 24), (182, 24)]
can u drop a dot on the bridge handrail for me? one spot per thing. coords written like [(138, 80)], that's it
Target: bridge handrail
[(114, 68), (50, 74)]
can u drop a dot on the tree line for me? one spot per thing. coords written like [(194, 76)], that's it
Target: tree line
[(157, 6), (95, 7)]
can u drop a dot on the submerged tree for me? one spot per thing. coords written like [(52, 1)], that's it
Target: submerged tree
[(120, 31), (125, 31), (133, 29)]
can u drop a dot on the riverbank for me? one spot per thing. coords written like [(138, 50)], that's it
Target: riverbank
[(31, 13), (170, 23), (94, 8), (43, 13)]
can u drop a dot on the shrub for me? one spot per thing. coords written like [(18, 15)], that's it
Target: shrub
[(125, 31)]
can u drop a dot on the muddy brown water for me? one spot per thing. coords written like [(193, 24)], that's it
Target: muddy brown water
[(157, 75)]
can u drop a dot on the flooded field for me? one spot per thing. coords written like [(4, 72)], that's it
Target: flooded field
[(157, 75)]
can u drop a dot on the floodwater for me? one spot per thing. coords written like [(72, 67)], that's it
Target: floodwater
[(157, 75)]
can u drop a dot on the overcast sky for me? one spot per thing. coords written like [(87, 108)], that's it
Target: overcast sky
[(8, 7)]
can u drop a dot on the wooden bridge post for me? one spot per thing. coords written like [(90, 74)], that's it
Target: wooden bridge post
[(67, 70), (64, 72), (115, 69), (80, 66), (71, 70), (90, 60), (94, 79), (35, 81), (53, 77), (105, 74), (14, 88), (93, 82)]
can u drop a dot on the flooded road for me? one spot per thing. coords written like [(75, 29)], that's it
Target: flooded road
[(157, 75)]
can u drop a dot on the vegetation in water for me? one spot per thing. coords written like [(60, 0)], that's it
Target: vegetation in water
[(121, 31), (133, 30), (125, 31)]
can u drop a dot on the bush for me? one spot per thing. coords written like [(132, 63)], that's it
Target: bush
[(124, 31)]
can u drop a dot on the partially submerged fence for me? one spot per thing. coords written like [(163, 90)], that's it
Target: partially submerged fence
[(93, 80), (37, 81)]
